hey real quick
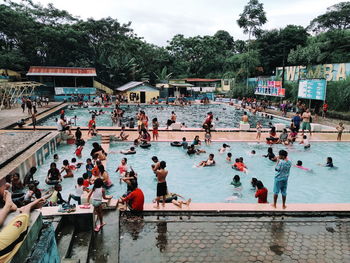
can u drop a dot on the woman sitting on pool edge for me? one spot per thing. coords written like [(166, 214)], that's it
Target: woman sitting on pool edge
[(273, 138), (209, 162)]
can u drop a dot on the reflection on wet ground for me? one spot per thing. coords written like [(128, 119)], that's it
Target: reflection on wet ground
[(235, 239)]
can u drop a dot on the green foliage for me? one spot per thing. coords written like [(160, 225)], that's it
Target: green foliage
[(252, 18), (336, 17)]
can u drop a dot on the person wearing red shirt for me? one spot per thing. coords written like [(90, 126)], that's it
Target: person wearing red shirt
[(91, 124), (135, 199), (325, 109), (261, 193)]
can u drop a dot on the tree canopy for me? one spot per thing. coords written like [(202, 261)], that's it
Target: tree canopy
[(32, 34)]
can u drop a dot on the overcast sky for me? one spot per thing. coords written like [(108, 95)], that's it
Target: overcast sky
[(159, 20)]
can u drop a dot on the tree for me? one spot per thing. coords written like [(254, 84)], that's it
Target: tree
[(336, 17), (252, 18), (275, 45)]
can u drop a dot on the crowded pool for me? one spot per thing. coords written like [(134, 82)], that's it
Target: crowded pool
[(212, 184), (193, 116)]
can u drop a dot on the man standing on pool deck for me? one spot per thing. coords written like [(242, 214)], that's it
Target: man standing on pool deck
[(281, 179), (306, 121), (161, 185)]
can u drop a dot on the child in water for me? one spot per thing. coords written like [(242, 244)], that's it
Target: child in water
[(236, 181), (300, 166), (209, 162), (329, 163), (67, 168), (306, 142), (229, 156), (224, 148), (239, 166)]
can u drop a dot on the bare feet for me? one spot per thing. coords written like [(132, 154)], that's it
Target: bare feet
[(188, 202), (284, 206), (273, 205), (156, 206), (8, 201)]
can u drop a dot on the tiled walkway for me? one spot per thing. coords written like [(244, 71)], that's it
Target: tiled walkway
[(236, 240)]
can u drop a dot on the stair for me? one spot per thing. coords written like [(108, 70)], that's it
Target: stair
[(105, 139), (64, 240), (105, 244), (81, 245)]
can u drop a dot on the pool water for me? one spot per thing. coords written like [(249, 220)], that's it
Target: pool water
[(212, 184), (192, 116)]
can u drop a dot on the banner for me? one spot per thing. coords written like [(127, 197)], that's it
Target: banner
[(270, 88), (69, 91), (313, 89)]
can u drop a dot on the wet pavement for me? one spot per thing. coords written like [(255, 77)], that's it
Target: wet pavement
[(233, 239)]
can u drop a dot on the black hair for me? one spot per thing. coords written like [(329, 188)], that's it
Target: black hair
[(101, 168), (33, 170), (154, 158), (241, 159), (304, 137), (237, 160), (299, 163), (88, 160), (125, 159), (270, 150), (53, 165), (259, 185), (329, 160), (254, 181), (155, 119), (132, 148), (253, 152), (98, 183), (212, 155), (85, 176), (236, 178), (229, 154), (74, 160), (65, 162), (80, 181), (283, 153), (162, 164), (184, 139)]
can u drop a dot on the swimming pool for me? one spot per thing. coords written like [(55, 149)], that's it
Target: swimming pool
[(212, 184), (192, 116)]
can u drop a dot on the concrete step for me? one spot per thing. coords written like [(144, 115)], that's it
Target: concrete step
[(81, 245), (64, 240), (105, 245)]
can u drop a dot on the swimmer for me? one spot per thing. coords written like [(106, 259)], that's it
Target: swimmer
[(329, 163), (270, 155), (252, 153), (130, 151), (55, 157), (300, 166), (306, 142), (123, 167), (209, 162), (236, 181), (224, 148), (253, 183), (228, 157), (67, 168), (239, 166)]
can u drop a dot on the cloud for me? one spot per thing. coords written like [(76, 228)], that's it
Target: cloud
[(159, 20)]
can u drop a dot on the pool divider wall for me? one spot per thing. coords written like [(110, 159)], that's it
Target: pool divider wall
[(33, 156)]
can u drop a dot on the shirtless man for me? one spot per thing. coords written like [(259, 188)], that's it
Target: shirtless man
[(245, 118), (161, 186), (306, 121)]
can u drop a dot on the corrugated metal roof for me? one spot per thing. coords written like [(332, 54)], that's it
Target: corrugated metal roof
[(201, 80), (133, 84), (181, 85), (61, 71)]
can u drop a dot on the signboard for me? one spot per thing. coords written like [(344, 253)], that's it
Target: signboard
[(313, 89), (69, 91), (270, 88), (330, 72)]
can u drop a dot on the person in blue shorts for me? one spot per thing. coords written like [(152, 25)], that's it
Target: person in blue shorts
[(281, 179)]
